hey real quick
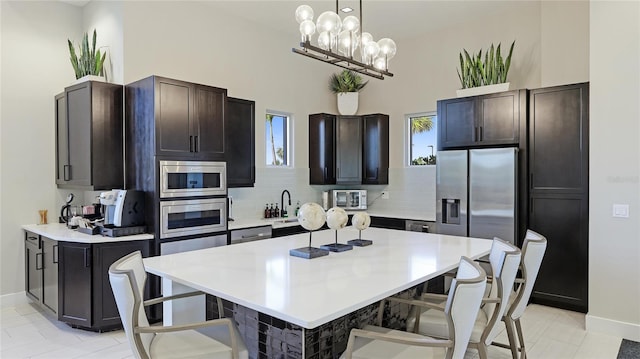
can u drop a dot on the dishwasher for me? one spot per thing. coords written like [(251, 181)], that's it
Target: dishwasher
[(250, 234)]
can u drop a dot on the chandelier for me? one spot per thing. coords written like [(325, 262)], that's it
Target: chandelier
[(341, 42)]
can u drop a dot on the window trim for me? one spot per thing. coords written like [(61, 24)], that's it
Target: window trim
[(288, 140), (407, 136)]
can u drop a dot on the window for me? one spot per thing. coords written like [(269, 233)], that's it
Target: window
[(277, 139), (422, 137)]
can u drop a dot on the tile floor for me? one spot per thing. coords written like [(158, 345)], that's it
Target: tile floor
[(549, 333)]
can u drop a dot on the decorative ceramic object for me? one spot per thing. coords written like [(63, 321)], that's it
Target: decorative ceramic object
[(311, 216), (337, 218), (361, 221), (347, 103), (89, 78)]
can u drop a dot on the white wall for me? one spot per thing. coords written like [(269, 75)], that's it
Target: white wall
[(614, 243), (35, 66), (106, 18), (565, 48)]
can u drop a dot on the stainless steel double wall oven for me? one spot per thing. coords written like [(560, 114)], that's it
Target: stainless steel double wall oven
[(193, 204)]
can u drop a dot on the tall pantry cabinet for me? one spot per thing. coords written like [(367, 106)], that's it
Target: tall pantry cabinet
[(559, 192)]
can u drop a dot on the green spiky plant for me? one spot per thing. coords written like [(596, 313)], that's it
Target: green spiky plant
[(88, 60), (475, 72), (346, 81)]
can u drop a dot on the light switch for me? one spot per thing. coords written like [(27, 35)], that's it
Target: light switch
[(621, 210)]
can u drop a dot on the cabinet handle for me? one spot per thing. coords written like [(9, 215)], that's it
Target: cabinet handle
[(87, 258), (196, 145), (38, 255), (481, 134), (55, 254), (67, 172)]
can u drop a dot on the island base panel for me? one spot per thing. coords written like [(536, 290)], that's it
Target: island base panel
[(269, 337)]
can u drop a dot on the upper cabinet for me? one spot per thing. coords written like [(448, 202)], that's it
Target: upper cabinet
[(183, 120), (348, 149), (240, 141), (322, 162), (89, 136), (478, 121), (375, 140)]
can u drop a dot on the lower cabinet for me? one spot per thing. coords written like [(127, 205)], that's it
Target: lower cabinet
[(41, 271), (85, 297)]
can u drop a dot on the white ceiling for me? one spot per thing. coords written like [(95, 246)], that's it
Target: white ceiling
[(396, 19)]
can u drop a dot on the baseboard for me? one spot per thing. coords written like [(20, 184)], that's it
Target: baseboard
[(13, 299), (630, 331)]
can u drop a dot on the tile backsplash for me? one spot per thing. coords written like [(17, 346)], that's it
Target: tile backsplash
[(412, 192)]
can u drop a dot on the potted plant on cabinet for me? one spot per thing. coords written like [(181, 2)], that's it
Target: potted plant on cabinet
[(346, 86), (87, 62), (480, 77)]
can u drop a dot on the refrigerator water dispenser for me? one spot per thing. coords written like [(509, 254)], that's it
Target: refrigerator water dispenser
[(450, 211)]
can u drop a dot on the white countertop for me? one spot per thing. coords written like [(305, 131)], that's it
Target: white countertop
[(60, 232), (261, 275)]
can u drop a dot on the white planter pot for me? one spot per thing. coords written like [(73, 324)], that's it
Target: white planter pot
[(347, 103), (89, 78), (483, 90)]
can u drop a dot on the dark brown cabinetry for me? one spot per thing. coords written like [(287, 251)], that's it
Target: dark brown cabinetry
[(348, 149), (41, 270), (85, 296), (183, 119), (89, 136), (240, 142), (486, 120), (375, 161), (559, 192), (322, 129)]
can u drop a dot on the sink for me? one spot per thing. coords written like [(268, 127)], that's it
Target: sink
[(286, 220)]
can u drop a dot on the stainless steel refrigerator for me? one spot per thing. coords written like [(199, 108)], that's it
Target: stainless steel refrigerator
[(476, 193)]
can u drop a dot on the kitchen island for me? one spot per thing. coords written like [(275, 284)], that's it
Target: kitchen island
[(303, 308)]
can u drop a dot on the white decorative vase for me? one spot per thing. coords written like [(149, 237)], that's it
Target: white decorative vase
[(347, 103), (89, 78), (482, 90)]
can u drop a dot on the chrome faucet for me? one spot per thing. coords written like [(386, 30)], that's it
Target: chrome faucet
[(283, 211)]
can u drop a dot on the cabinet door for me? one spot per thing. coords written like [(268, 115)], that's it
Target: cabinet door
[(498, 118), (105, 311), (74, 283), (33, 266), (240, 142), (375, 163), (322, 149), (50, 274), (349, 150), (559, 192), (208, 125), (79, 130), (456, 122), (173, 127), (62, 139)]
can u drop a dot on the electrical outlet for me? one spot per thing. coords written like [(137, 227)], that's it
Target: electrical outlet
[(385, 195), (621, 210)]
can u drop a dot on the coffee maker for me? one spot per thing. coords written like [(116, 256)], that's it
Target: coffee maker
[(122, 208)]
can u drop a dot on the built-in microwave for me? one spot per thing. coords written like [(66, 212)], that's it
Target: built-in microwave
[(192, 178), (192, 216), (349, 199)]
